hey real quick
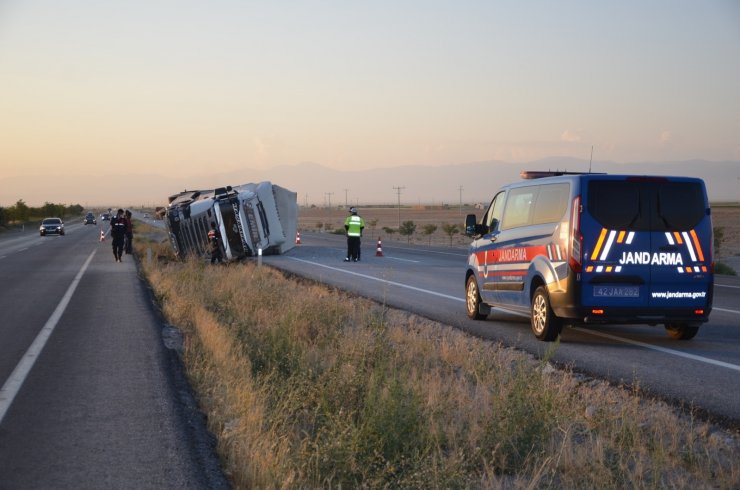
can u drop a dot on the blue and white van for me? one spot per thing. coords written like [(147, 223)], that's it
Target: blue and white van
[(571, 248)]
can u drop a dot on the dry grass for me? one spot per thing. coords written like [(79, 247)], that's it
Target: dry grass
[(306, 387)]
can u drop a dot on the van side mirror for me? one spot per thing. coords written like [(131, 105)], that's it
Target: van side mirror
[(472, 228)]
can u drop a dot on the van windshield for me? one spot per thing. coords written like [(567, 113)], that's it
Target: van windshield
[(646, 205)]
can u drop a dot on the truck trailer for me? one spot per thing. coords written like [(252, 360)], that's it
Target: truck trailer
[(252, 219)]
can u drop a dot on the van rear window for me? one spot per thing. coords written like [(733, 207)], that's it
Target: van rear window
[(646, 205), (614, 204), (680, 205)]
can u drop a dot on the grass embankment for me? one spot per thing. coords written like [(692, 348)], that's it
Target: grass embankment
[(306, 387)]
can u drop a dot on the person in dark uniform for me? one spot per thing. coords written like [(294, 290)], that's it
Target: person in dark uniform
[(118, 226), (214, 244), (128, 241)]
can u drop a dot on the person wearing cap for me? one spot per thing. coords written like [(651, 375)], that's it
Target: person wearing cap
[(354, 224)]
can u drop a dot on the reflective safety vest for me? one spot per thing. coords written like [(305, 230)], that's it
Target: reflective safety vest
[(354, 225)]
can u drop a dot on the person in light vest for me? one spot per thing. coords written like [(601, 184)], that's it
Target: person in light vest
[(354, 224)]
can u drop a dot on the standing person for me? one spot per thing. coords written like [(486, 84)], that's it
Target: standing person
[(214, 244), (354, 224), (129, 233), (118, 228)]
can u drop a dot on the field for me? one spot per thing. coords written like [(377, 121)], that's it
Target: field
[(728, 218), (724, 216), (378, 218)]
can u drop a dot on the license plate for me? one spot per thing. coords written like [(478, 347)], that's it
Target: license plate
[(617, 291)]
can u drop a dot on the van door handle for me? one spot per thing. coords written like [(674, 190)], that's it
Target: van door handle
[(669, 248)]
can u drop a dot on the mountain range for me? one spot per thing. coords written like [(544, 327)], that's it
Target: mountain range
[(320, 185)]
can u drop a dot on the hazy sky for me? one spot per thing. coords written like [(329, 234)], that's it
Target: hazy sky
[(193, 87)]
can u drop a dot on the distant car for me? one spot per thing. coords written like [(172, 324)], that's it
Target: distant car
[(105, 217), (90, 219), (51, 226)]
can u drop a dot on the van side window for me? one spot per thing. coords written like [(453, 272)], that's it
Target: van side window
[(495, 211), (518, 208), (552, 201)]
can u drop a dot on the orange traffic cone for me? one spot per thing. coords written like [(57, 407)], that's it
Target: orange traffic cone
[(102, 236), (298, 238), (379, 250)]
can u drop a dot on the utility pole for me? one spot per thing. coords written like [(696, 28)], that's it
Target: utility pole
[(460, 189), (345, 198), (328, 195), (399, 189)]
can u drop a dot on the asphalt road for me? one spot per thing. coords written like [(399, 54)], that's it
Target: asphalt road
[(701, 374), (91, 398)]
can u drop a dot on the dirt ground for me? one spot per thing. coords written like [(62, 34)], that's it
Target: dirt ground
[(728, 218), (377, 218)]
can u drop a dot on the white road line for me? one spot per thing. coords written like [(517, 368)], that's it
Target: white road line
[(387, 257), (660, 349), (421, 250), (393, 283), (403, 260), (23, 249), (18, 376), (585, 330), (726, 286), (2, 256), (725, 310)]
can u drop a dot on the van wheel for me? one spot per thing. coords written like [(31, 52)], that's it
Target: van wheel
[(681, 331), (545, 325), (472, 300)]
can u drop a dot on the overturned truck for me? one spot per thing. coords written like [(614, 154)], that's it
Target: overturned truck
[(252, 219)]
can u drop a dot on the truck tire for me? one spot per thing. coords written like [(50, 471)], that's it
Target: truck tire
[(545, 325)]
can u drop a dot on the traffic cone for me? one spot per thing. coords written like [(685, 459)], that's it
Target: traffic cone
[(298, 238), (102, 235), (379, 250)]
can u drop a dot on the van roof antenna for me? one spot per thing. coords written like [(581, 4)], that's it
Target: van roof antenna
[(591, 159)]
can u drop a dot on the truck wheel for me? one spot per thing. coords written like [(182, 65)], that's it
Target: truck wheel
[(545, 325), (681, 331), (472, 300)]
